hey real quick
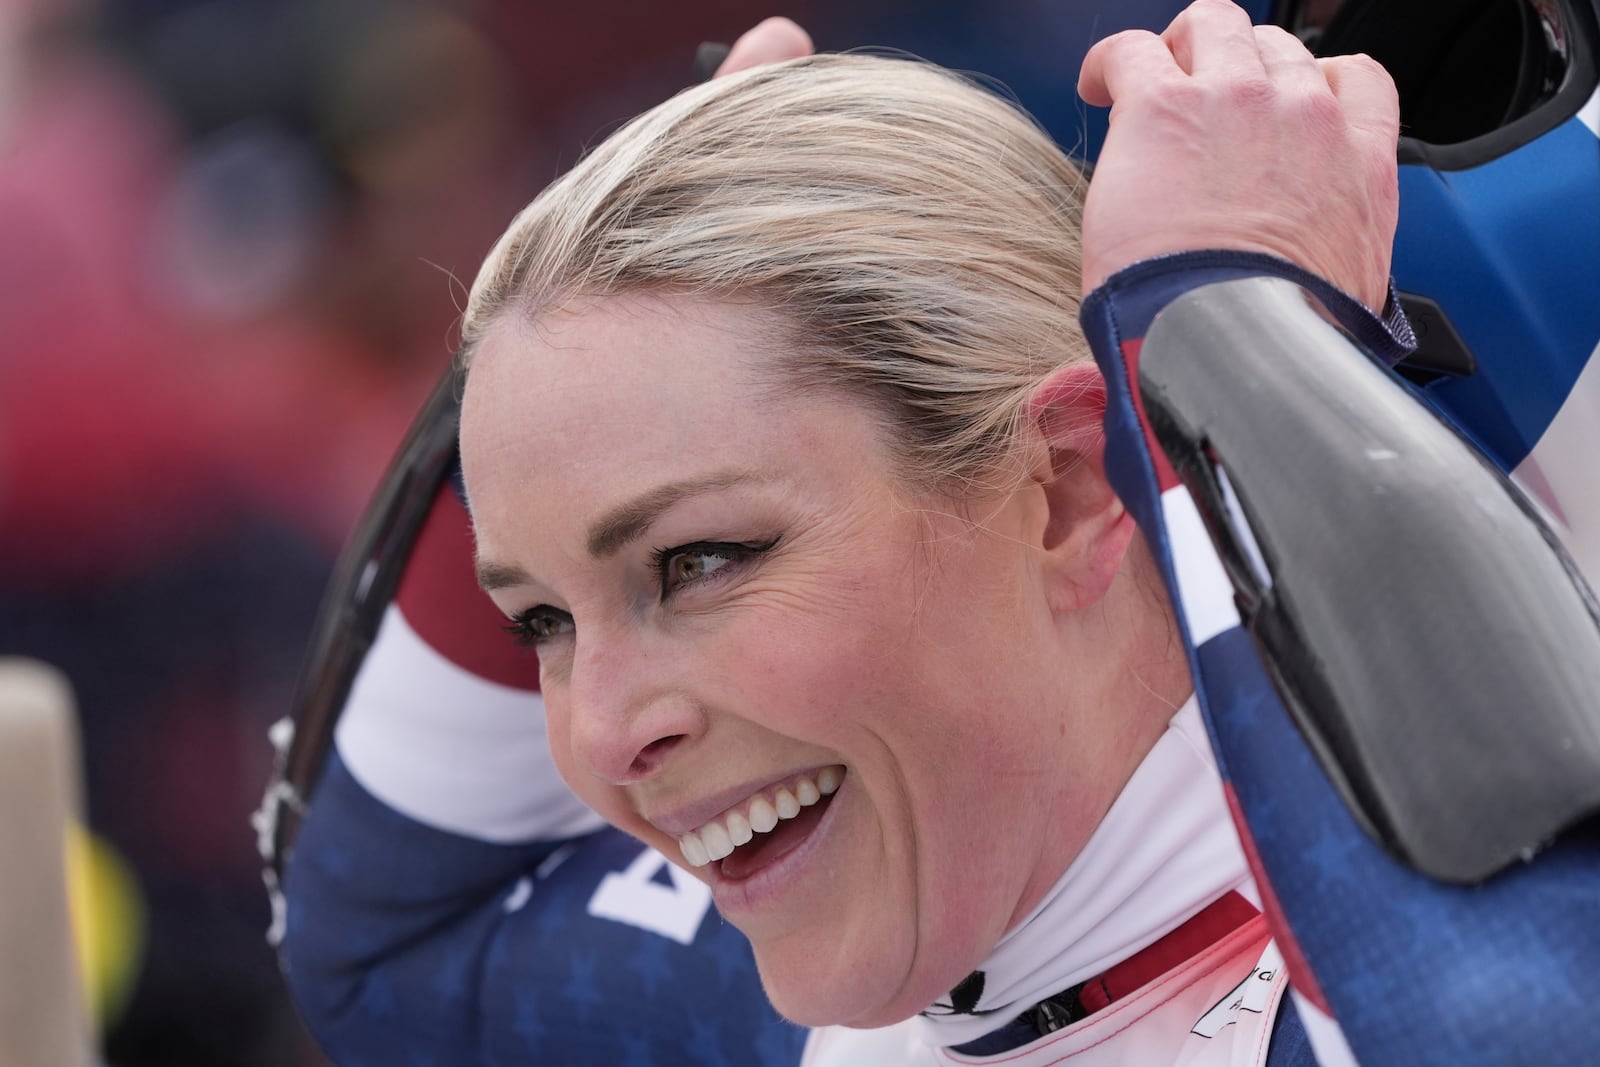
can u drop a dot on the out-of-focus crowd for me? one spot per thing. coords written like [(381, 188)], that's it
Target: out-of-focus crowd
[(234, 237)]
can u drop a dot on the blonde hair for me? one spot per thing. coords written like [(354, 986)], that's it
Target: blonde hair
[(918, 236)]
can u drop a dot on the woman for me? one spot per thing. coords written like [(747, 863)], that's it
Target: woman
[(781, 442)]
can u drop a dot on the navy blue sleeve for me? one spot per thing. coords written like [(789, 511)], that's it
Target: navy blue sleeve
[(407, 945), (1289, 1047), (1122, 308)]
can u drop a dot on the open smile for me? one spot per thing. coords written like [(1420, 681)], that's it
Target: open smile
[(760, 829)]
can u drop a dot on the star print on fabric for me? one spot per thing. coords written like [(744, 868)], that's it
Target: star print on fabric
[(1565, 960), (651, 960), (1331, 857), (529, 1026), (499, 957), (705, 1037), (453, 983), (338, 865), (735, 964), (377, 997), (637, 1051), (554, 915), (580, 988)]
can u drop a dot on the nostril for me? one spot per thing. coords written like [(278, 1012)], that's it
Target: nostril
[(651, 755)]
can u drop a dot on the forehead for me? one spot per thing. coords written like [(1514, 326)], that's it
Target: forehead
[(622, 368), (609, 399)]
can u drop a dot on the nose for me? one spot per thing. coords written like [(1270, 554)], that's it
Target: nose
[(626, 716)]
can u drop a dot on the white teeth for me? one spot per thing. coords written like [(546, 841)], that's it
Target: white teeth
[(718, 838), (788, 807), (763, 816), (694, 853), (718, 843)]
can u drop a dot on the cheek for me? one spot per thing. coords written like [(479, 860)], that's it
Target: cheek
[(820, 680)]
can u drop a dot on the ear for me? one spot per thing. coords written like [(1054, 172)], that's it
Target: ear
[(1087, 532)]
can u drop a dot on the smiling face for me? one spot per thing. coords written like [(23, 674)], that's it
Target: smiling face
[(739, 607)]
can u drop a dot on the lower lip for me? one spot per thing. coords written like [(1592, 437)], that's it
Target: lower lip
[(765, 888)]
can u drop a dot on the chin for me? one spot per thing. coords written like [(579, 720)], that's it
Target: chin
[(809, 1004), (859, 990)]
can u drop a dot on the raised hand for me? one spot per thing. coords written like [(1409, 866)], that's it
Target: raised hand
[(1229, 135)]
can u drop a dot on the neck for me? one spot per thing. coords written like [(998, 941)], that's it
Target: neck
[(1120, 714), (1164, 851)]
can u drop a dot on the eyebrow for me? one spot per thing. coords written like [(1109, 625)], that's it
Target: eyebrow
[(620, 526), (492, 575), (628, 522)]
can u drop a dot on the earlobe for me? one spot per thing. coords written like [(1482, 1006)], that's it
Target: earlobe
[(1087, 530)]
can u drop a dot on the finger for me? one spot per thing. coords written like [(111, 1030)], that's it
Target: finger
[(1211, 36), (1122, 63), (1368, 95), (1289, 65), (771, 41)]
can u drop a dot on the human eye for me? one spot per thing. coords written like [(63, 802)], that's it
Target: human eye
[(538, 625), (701, 561)]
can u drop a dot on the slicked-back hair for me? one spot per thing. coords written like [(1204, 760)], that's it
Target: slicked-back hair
[(915, 235)]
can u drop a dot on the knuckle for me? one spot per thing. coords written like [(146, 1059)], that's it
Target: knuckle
[(1277, 37), (1321, 110), (1182, 98), (1251, 92), (1219, 12), (1364, 67)]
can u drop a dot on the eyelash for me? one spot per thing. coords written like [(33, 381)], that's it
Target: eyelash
[(524, 626), (735, 554)]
